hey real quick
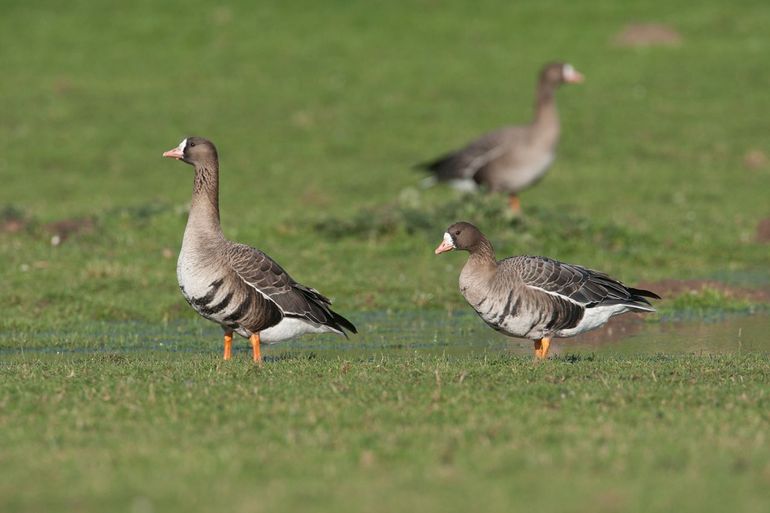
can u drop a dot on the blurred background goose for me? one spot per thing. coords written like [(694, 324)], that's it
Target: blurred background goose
[(536, 297), (512, 158), (234, 285)]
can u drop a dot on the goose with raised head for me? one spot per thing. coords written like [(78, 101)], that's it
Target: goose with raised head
[(535, 297), (511, 158), (234, 285)]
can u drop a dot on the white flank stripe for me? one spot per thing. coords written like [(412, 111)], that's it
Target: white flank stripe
[(476, 163), (463, 184), (562, 296), (262, 293)]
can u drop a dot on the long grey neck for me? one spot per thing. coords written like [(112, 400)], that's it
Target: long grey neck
[(546, 118), (478, 273), (482, 257), (204, 208)]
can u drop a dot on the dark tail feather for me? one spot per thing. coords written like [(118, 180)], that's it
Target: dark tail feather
[(343, 323), (431, 165), (438, 165), (639, 296), (324, 314), (643, 293)]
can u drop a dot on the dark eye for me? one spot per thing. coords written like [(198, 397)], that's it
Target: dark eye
[(457, 232), (192, 144)]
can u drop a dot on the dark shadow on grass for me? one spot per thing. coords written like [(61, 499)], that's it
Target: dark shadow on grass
[(576, 358), (540, 226)]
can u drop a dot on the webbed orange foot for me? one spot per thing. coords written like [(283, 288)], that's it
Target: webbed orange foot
[(541, 348), (255, 348), (515, 204), (228, 345)]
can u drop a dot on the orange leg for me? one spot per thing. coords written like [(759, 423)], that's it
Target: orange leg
[(514, 203), (255, 348), (541, 348), (228, 345)]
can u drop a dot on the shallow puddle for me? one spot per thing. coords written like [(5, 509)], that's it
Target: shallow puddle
[(465, 333), (425, 331)]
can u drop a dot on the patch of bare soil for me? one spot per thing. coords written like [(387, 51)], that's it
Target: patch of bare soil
[(641, 35), (754, 159), (763, 231), (671, 288), (62, 230), (12, 225), (12, 221)]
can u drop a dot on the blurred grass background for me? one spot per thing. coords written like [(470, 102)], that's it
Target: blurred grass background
[(319, 110)]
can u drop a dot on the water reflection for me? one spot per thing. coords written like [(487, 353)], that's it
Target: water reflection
[(423, 331)]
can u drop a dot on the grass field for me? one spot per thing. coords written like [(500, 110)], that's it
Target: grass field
[(164, 433), (318, 110)]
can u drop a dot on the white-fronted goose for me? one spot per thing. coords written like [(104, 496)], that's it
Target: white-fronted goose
[(514, 157), (536, 297), (234, 285)]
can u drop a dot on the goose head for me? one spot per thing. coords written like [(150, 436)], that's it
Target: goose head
[(462, 236), (557, 73), (193, 150)]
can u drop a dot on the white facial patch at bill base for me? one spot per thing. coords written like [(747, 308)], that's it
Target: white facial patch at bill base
[(568, 71), (182, 145), (448, 239)]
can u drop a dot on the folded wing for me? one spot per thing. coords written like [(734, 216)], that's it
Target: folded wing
[(579, 285), (295, 300)]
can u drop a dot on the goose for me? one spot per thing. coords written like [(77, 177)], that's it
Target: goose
[(511, 158), (234, 285), (536, 297)]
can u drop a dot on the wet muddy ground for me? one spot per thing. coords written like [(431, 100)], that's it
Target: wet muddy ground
[(425, 331)]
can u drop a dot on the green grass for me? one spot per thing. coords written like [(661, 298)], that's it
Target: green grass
[(701, 304), (318, 110), (484, 433)]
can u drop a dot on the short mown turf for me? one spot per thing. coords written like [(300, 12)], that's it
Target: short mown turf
[(149, 432)]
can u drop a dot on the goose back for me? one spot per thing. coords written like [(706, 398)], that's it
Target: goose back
[(537, 297)]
